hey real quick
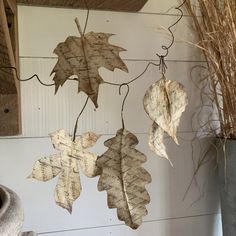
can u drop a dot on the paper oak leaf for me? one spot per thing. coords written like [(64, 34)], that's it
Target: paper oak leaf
[(164, 102), (124, 178), (82, 57), (66, 165)]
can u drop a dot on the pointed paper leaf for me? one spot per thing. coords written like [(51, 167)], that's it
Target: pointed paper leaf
[(164, 102), (156, 144), (46, 168), (65, 164), (68, 186), (124, 179), (82, 57)]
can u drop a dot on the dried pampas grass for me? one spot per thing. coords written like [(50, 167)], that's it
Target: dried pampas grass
[(216, 29)]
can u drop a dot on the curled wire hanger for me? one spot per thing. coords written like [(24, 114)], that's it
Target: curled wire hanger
[(162, 64)]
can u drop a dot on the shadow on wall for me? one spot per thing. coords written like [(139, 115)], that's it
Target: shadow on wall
[(197, 214), (194, 226)]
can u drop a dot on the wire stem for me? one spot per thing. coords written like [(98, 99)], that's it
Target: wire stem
[(77, 119), (123, 103)]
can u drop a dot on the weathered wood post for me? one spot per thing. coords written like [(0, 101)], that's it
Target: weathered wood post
[(10, 119)]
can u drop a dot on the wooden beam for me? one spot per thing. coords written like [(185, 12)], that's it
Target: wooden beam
[(114, 5), (9, 57)]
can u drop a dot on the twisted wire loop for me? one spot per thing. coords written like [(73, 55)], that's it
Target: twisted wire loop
[(162, 65)]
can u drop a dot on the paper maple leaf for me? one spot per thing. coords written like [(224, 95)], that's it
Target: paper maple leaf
[(164, 102), (82, 57), (65, 164), (124, 178)]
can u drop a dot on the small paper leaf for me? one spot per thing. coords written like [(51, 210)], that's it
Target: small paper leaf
[(65, 164), (124, 179), (82, 57), (46, 168), (156, 144)]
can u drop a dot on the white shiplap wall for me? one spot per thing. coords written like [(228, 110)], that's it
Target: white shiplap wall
[(41, 29)]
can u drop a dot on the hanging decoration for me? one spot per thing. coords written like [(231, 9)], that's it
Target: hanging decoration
[(164, 102), (120, 167), (82, 57), (66, 163), (124, 179)]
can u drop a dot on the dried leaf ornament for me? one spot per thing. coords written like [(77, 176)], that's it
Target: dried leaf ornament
[(164, 102), (82, 57), (124, 178), (66, 165)]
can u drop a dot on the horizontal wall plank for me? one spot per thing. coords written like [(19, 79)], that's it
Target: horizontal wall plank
[(166, 190), (194, 226), (46, 113), (140, 34)]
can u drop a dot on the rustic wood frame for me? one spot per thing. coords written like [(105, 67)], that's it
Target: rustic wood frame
[(114, 5)]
